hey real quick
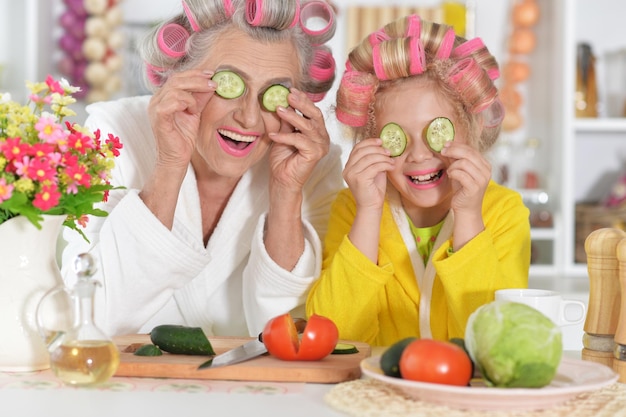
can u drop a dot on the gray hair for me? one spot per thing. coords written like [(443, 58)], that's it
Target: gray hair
[(278, 21)]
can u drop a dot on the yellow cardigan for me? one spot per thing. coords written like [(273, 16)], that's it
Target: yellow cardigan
[(380, 304)]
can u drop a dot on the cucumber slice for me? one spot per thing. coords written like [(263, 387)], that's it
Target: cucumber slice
[(439, 131), (148, 350), (394, 138), (344, 349), (229, 84), (274, 96)]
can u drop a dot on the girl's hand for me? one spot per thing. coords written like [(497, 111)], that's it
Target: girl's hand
[(299, 145), (365, 173), (470, 173), (175, 112)]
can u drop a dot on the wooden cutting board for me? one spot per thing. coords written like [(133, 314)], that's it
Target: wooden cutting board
[(332, 369)]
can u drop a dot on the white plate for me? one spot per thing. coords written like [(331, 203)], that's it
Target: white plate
[(573, 377)]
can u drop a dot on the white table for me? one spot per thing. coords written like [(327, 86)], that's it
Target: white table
[(40, 394)]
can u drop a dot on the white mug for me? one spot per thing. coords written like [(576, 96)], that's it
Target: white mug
[(550, 303)]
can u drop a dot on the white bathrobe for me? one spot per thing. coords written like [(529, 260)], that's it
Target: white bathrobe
[(153, 276)]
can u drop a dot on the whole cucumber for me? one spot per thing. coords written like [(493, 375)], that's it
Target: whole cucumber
[(181, 340)]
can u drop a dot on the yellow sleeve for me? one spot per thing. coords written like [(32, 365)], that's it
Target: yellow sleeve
[(348, 287), (499, 257)]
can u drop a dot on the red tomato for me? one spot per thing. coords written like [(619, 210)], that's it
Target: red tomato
[(319, 338), (435, 361)]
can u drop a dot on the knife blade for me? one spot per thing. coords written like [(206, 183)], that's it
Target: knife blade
[(248, 350)]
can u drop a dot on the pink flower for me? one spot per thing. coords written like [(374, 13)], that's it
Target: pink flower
[(40, 170), (21, 167), (78, 176), (41, 150), (13, 148), (6, 190), (40, 100), (54, 85), (48, 197), (82, 220), (80, 142), (114, 144), (49, 130)]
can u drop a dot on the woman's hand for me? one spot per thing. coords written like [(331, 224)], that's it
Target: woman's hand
[(297, 148), (299, 145), (470, 173), (175, 111), (365, 173)]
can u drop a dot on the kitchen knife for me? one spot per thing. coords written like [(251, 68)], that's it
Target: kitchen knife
[(248, 350)]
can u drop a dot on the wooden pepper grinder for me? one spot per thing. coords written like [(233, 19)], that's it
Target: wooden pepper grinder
[(604, 295), (619, 361)]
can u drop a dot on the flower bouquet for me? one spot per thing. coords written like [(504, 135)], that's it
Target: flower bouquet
[(49, 165)]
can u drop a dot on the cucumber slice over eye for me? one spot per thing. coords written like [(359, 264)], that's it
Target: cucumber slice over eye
[(229, 84), (274, 96), (394, 138), (439, 131)]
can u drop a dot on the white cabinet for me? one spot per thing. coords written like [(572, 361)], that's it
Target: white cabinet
[(589, 150)]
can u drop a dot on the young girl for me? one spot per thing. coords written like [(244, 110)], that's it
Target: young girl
[(423, 238)]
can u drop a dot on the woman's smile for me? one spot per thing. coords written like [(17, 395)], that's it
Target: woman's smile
[(235, 143)]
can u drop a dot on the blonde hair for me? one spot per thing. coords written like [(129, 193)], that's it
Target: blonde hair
[(202, 22), (463, 70)]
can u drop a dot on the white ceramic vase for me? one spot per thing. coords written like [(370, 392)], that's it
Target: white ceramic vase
[(28, 268)]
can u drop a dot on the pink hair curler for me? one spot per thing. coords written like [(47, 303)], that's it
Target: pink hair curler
[(417, 57), (254, 12), (296, 16), (493, 73), (461, 71), (323, 65), (465, 76), (316, 97), (153, 74), (415, 26), (190, 17), (315, 10), (378, 63), (445, 49), (228, 8), (353, 98), (494, 114), (469, 47), (377, 37), (172, 39)]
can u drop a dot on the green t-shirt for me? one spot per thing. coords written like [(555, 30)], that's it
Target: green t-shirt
[(425, 238)]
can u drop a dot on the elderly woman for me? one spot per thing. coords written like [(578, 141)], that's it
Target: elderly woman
[(228, 172)]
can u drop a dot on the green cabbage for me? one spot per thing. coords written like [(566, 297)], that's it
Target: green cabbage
[(513, 345)]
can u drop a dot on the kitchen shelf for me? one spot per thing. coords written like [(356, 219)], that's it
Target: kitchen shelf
[(590, 150), (542, 233), (601, 125)]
